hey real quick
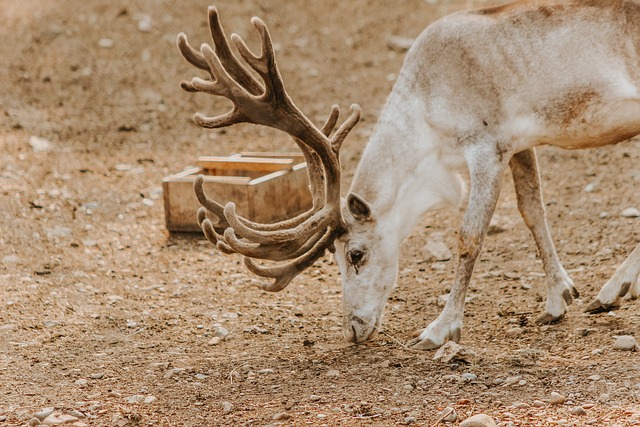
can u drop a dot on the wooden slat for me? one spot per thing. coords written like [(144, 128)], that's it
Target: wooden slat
[(261, 164)]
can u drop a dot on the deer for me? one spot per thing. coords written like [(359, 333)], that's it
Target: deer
[(479, 90)]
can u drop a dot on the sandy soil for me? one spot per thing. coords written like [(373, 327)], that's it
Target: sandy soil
[(107, 317)]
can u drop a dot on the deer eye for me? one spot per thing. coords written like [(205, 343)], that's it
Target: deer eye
[(356, 257)]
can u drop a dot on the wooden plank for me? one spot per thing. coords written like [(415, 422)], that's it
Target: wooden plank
[(260, 164)]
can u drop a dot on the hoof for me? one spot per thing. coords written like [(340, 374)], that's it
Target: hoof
[(425, 344), (546, 318), (599, 307)]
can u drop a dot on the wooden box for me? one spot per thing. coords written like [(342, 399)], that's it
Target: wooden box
[(266, 187)]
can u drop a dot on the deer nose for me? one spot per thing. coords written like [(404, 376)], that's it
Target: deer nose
[(358, 329)]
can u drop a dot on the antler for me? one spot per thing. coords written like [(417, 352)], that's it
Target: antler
[(293, 244)]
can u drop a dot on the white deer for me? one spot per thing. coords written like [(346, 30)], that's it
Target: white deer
[(477, 92)]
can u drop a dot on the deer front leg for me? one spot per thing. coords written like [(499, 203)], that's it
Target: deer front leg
[(486, 169), (625, 280), (560, 288)]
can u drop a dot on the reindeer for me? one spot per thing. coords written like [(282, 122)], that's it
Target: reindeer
[(478, 91)]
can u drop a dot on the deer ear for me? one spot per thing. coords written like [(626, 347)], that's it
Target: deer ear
[(358, 208)]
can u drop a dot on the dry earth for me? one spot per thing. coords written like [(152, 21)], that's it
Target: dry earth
[(107, 317)]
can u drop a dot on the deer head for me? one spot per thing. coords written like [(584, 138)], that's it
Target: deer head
[(282, 250)]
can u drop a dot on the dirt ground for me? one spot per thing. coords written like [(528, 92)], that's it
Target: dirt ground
[(107, 317)]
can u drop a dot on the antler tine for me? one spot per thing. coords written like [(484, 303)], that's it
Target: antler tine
[(275, 252), (345, 128), (217, 210), (318, 220), (231, 64), (284, 273), (215, 238), (190, 54)]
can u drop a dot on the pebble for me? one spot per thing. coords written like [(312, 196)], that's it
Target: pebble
[(171, 372), (40, 145), (214, 341), (58, 418), (537, 404), (454, 351), (594, 377), (96, 376), (227, 407), (11, 259), (105, 43), (266, 371), (435, 250), (282, 416), (514, 332), (81, 382), (479, 420), (625, 343), (220, 331), (469, 377), (33, 422), (410, 420), (511, 381), (578, 410), (44, 413), (448, 415), (631, 213), (136, 398), (557, 398)]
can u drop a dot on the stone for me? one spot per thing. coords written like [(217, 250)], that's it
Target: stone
[(625, 343), (58, 418), (410, 420), (578, 410), (514, 332), (105, 43), (149, 399), (33, 422), (333, 373), (227, 407), (479, 420), (281, 416), (138, 398), (448, 415), (557, 398), (631, 213), (40, 145), (435, 249), (44, 413), (537, 403), (453, 351)]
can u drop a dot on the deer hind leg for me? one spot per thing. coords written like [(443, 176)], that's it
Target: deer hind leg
[(626, 280), (486, 170), (560, 288)]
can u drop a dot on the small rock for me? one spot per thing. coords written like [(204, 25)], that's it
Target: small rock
[(81, 382), (514, 332), (594, 377), (136, 398), (214, 341), (96, 376), (521, 405), (511, 381), (448, 415), (227, 407), (150, 399), (33, 422), (171, 372), (469, 377), (282, 416), (105, 43), (11, 259), (454, 351), (435, 249), (537, 404), (399, 44), (625, 343), (557, 398), (631, 213), (266, 371), (40, 145), (58, 418), (589, 188), (410, 420), (479, 420), (144, 24), (578, 410), (44, 413), (220, 331)]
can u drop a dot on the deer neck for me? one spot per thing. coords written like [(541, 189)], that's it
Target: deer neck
[(407, 168)]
